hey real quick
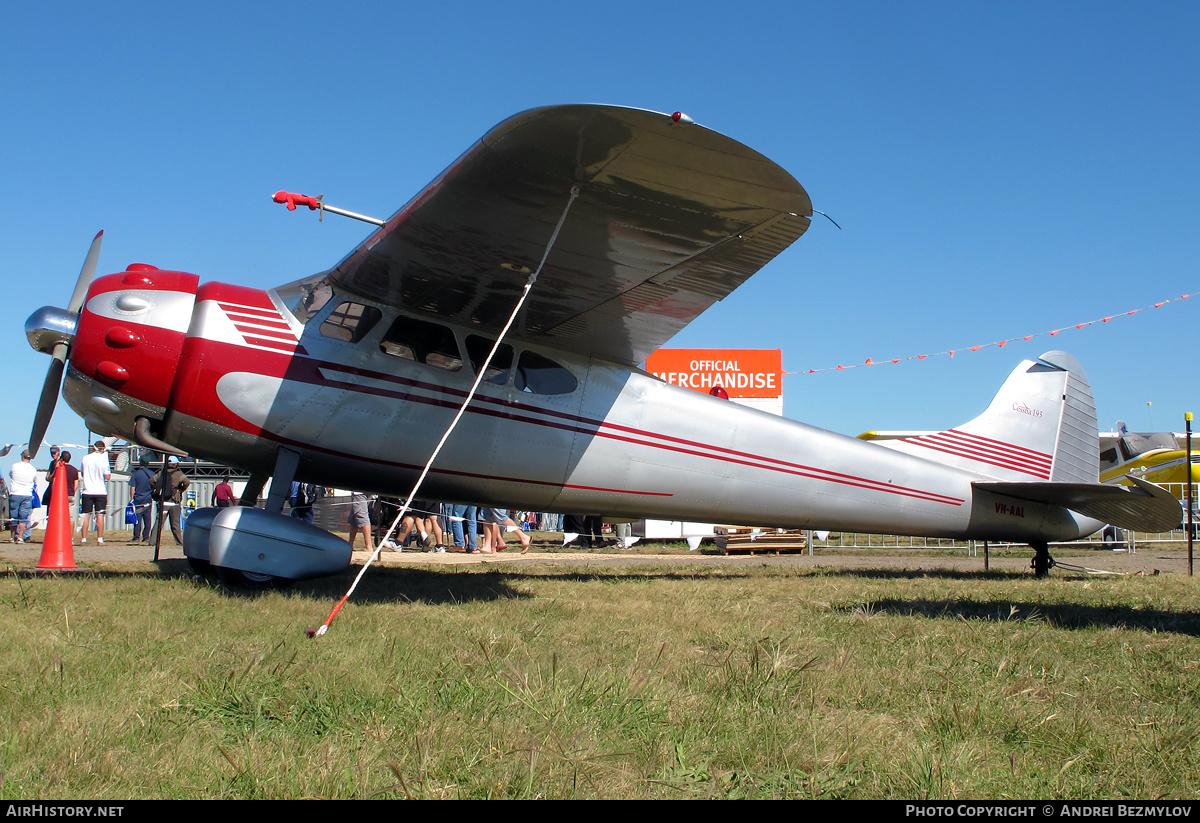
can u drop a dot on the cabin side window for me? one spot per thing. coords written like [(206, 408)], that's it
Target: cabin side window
[(423, 342), (500, 367), (350, 322), (540, 375), (1108, 458)]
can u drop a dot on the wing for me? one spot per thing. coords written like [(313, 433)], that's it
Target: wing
[(671, 217)]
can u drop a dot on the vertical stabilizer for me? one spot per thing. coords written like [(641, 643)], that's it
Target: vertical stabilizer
[(1040, 426)]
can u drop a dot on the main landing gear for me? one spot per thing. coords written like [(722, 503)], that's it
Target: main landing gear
[(1042, 561)]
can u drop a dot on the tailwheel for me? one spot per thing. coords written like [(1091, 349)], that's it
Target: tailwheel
[(1042, 561)]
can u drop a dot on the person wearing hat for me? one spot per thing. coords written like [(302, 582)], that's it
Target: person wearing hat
[(93, 499), (70, 477), (55, 451), (168, 488), (141, 486), (21, 480)]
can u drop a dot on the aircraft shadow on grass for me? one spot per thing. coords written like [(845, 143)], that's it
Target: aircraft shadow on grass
[(384, 585), (437, 587), (1056, 615)]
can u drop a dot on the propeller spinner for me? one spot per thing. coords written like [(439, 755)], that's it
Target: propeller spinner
[(52, 331)]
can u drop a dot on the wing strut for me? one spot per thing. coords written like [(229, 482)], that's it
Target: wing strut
[(324, 627)]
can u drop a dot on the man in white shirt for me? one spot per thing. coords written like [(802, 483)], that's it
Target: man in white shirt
[(94, 495), (22, 477)]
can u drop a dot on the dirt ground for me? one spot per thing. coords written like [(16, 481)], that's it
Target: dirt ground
[(1147, 560)]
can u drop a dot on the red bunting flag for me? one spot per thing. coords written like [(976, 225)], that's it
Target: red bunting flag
[(871, 362)]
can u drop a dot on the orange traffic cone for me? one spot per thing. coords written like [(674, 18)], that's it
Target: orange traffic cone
[(56, 548)]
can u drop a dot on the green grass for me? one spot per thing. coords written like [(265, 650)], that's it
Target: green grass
[(472, 682)]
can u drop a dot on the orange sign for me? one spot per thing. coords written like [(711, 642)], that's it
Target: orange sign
[(741, 372)]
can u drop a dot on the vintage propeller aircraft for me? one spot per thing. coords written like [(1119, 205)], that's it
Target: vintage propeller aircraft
[(350, 376), (1161, 458)]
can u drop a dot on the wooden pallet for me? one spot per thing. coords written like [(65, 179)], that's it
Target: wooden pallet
[(749, 540)]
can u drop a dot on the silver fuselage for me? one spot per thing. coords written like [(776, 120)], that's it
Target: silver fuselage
[(623, 443)]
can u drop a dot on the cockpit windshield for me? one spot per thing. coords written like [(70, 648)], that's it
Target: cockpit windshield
[(305, 297), (1133, 444)]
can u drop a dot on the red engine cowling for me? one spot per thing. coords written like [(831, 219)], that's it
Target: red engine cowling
[(127, 347)]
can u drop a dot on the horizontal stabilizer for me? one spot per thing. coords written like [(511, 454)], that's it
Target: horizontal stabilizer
[(1142, 507)]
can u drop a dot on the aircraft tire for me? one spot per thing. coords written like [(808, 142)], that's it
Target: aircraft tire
[(250, 581), (201, 567), (1042, 561)]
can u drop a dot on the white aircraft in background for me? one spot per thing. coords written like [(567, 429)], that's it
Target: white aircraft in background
[(350, 376)]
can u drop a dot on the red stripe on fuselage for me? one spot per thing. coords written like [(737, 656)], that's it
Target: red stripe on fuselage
[(986, 450), (452, 473), (753, 461), (824, 474), (307, 371), (997, 449)]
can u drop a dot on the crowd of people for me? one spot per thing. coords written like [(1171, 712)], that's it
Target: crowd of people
[(440, 527), (147, 488), (434, 527)]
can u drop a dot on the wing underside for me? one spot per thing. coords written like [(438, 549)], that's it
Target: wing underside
[(671, 217)]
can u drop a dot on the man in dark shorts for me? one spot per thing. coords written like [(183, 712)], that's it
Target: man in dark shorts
[(94, 496)]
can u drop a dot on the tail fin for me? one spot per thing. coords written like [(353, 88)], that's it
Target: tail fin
[(1040, 426)]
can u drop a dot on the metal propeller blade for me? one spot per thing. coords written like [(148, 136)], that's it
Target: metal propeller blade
[(53, 383), (86, 275), (48, 399)]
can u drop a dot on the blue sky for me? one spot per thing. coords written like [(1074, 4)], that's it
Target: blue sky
[(998, 169)]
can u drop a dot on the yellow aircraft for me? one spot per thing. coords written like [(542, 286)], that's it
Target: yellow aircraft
[(1158, 457)]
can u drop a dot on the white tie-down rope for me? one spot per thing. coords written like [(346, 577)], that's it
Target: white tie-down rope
[(324, 627)]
